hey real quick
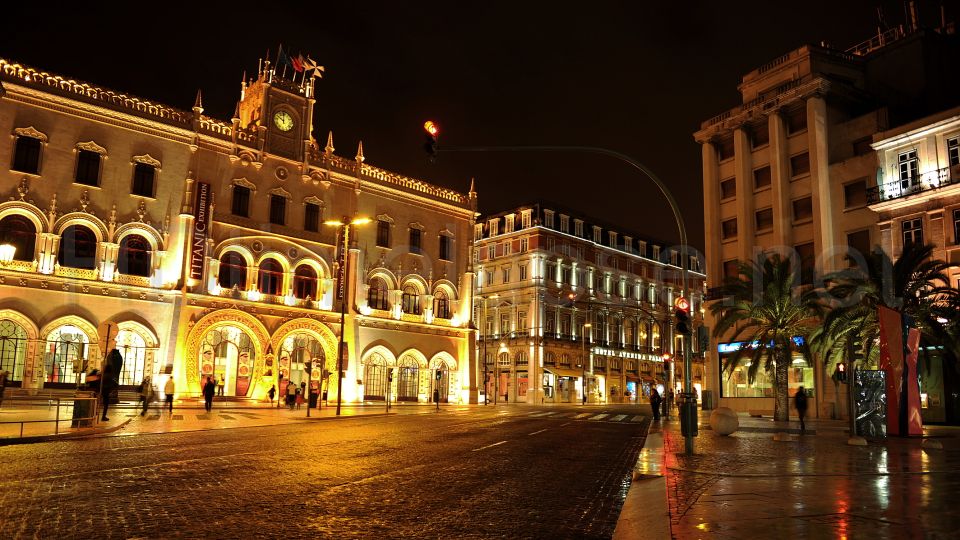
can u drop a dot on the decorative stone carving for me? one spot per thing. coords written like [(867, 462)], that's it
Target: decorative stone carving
[(30, 132), (147, 159), (84, 200), (91, 146), (243, 182)]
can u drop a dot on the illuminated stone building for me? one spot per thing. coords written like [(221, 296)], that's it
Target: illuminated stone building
[(789, 170), (542, 274), (916, 198), (202, 242)]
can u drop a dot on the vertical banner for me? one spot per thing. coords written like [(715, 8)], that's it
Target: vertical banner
[(201, 227), (341, 261), (912, 395), (891, 362)]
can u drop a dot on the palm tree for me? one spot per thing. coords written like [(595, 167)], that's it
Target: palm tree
[(914, 285), (764, 308)]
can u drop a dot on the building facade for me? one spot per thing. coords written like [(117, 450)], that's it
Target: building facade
[(569, 310), (789, 171), (917, 199), (207, 248)]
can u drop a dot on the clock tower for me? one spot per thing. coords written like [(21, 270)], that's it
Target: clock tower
[(281, 111)]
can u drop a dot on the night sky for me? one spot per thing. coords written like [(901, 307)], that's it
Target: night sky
[(636, 77)]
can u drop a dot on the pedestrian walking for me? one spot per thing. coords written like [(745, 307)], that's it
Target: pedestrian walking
[(299, 399), (107, 384), (655, 404), (146, 390), (800, 402), (168, 391), (208, 390), (291, 394), (272, 393), (668, 403)]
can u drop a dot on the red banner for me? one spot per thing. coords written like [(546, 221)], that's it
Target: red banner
[(914, 419), (891, 361)]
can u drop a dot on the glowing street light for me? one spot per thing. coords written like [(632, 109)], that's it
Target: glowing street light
[(7, 251), (342, 291)]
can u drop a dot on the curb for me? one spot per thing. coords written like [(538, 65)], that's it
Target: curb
[(63, 436), (645, 513), (343, 417)]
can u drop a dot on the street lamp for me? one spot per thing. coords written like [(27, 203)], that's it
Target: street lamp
[(583, 357), (483, 326), (342, 291)]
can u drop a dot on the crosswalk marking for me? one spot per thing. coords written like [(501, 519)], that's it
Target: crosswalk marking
[(583, 415), (599, 417), (637, 418), (618, 417)]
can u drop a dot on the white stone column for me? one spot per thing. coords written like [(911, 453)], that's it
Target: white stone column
[(823, 226), (743, 165), (780, 181)]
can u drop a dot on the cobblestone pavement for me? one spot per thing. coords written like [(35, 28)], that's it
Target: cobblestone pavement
[(815, 486), (494, 472)]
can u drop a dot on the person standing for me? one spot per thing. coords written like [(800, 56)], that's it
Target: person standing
[(272, 393), (800, 402), (146, 391), (291, 394), (107, 384), (655, 404), (208, 390), (668, 403), (299, 399), (168, 390), (220, 383)]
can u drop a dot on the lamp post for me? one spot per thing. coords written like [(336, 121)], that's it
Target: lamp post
[(483, 329), (342, 291), (583, 357)]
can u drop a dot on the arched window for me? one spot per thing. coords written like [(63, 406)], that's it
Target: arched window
[(19, 232), (441, 305), (377, 294), (270, 277), (521, 358), (78, 248), (411, 300), (655, 337), (233, 271), (13, 349), (134, 350), (628, 333), (305, 282), (134, 256)]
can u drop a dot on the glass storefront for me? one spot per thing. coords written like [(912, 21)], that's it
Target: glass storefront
[(737, 384), (227, 354)]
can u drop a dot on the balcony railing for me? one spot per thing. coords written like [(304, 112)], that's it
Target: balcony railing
[(927, 181)]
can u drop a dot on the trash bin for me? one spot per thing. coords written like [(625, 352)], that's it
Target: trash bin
[(83, 409), (707, 398), (313, 400)]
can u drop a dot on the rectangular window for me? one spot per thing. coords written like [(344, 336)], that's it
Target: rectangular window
[(524, 243), (88, 168), (800, 164), (565, 275), (525, 219), (642, 249), (278, 210), (796, 121), (737, 383), (490, 277), (858, 244), (508, 223), (759, 135), (507, 248), (494, 227), (855, 193), (578, 228), (26, 155), (241, 201), (803, 209), (477, 232), (492, 251), (953, 151), (596, 234), (143, 178), (564, 223), (548, 218), (807, 259), (445, 248), (909, 169), (913, 231), (311, 217), (725, 149), (861, 147), (506, 275), (730, 269), (764, 219), (549, 244), (523, 272), (761, 177), (729, 228), (656, 250), (416, 236), (728, 188), (522, 321), (383, 233), (956, 227)]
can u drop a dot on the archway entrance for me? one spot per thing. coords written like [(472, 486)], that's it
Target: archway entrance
[(65, 356), (227, 354), (301, 362), (408, 382), (375, 378)]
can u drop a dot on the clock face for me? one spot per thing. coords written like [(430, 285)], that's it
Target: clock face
[(283, 121)]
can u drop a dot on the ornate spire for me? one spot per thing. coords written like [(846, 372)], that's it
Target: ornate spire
[(359, 156), (472, 193), (198, 104), (328, 150), (236, 113)]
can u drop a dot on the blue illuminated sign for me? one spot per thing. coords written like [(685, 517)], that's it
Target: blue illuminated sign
[(724, 348)]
